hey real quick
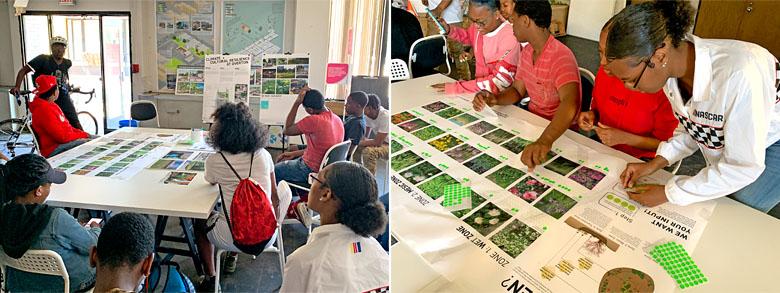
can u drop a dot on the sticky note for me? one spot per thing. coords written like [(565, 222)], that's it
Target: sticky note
[(456, 197)]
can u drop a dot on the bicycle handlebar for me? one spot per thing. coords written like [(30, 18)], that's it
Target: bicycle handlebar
[(79, 91), (19, 94)]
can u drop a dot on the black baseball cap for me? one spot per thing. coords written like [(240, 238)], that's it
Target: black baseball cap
[(314, 99), (38, 169)]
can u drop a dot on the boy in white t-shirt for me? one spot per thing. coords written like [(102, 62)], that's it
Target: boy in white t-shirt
[(378, 121)]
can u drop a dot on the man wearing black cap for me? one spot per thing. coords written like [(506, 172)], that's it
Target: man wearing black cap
[(322, 129), (27, 223), (56, 65)]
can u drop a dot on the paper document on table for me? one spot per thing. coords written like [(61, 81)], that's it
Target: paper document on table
[(489, 114), (561, 227)]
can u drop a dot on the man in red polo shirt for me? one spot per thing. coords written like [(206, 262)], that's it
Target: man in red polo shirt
[(322, 130), (629, 121), (55, 133)]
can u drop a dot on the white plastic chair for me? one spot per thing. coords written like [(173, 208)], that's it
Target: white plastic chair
[(44, 262), (336, 153), (285, 197), (398, 70)]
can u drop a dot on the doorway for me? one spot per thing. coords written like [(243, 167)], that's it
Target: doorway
[(99, 48)]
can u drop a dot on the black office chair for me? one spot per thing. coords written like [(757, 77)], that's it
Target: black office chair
[(144, 111), (427, 54), (588, 81)]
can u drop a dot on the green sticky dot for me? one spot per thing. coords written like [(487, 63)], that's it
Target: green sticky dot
[(544, 228), (609, 196)]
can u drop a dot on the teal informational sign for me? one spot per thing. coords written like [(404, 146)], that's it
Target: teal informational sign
[(253, 28)]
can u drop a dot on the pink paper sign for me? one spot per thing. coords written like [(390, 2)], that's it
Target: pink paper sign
[(337, 72)]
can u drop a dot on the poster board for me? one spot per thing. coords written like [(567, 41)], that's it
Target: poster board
[(189, 81), (282, 78), (253, 28), (226, 79), (558, 228), (185, 35)]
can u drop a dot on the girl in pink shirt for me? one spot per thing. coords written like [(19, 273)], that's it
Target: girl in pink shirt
[(495, 49), (547, 72)]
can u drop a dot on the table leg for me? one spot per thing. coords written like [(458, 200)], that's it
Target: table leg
[(75, 212), (159, 230), (186, 226)]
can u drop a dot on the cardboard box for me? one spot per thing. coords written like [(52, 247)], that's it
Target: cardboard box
[(560, 14)]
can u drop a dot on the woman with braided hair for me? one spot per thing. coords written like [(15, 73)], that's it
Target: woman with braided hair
[(723, 92), (341, 255)]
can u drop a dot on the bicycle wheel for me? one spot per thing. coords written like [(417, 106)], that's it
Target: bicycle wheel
[(16, 137), (10, 126), (88, 122)]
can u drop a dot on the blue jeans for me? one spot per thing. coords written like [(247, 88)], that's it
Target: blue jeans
[(764, 193), (294, 170), (65, 236), (68, 145)]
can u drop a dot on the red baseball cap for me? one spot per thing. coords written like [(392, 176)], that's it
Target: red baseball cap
[(45, 83)]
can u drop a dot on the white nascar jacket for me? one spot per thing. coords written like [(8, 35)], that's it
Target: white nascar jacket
[(732, 117)]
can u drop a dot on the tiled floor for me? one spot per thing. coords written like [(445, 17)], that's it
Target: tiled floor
[(252, 275)]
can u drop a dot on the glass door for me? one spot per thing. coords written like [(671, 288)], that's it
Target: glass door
[(99, 48), (83, 50), (116, 60)]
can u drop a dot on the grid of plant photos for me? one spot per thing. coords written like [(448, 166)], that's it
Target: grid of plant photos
[(108, 158), (486, 217)]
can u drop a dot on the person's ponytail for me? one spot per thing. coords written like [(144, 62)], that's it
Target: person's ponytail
[(640, 29), (679, 18), (366, 220), (355, 187)]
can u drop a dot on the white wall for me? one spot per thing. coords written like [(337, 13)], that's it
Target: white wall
[(6, 58), (586, 17), (312, 31)]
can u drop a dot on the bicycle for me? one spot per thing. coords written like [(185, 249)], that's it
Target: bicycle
[(87, 120), (15, 131)]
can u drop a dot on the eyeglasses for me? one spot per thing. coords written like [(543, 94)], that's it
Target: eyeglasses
[(647, 64), (313, 177)]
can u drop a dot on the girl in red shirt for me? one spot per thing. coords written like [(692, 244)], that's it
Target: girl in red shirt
[(55, 134), (630, 121)]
